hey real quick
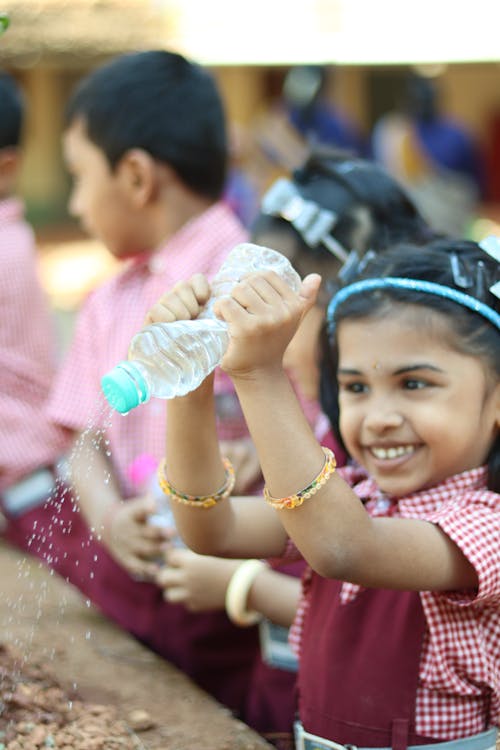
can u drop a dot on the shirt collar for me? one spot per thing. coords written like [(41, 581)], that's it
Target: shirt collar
[(181, 243), (473, 479)]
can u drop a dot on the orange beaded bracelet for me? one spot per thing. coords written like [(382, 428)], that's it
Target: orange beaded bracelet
[(293, 501), (198, 501)]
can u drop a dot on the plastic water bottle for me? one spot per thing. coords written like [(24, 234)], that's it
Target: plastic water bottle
[(171, 359)]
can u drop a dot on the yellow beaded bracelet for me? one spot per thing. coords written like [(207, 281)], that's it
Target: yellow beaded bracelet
[(293, 501), (198, 501)]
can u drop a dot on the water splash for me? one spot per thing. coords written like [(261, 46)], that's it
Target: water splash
[(50, 540)]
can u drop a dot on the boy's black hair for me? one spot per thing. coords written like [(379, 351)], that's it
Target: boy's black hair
[(342, 183), (442, 262), (11, 112), (160, 102)]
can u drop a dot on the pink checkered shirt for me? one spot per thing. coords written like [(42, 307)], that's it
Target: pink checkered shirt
[(109, 319), (459, 689), (27, 353)]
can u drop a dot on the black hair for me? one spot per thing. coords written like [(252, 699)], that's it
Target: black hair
[(160, 102), (11, 112), (342, 183), (461, 265), (420, 99)]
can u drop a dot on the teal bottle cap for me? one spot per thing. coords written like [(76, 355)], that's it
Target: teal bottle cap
[(124, 387)]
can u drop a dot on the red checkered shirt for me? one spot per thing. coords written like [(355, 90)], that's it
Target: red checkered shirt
[(459, 686), (112, 315), (27, 353)]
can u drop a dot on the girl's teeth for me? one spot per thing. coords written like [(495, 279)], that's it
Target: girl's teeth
[(396, 452)]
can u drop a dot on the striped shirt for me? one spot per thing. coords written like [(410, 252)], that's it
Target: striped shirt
[(27, 354)]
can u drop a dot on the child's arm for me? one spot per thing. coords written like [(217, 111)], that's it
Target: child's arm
[(242, 527), (331, 529), (200, 583), (122, 526), (193, 461)]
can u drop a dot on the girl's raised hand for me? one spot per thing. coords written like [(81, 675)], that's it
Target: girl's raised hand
[(183, 302), (263, 314)]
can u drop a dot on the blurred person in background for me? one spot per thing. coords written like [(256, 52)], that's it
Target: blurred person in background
[(434, 156), (241, 192), (30, 445), (313, 115), (145, 143)]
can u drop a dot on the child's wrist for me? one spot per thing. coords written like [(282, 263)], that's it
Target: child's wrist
[(238, 591), (203, 393), (107, 520)]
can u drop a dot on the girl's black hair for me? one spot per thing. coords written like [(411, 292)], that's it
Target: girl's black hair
[(461, 265), (160, 102), (342, 183)]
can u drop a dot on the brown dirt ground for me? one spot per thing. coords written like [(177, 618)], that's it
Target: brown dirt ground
[(70, 680)]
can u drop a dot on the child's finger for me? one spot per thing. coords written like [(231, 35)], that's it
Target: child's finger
[(141, 508), (159, 314), (157, 534), (191, 294), (174, 556), (268, 285), (147, 550), (175, 595), (252, 298), (201, 287), (309, 289), (168, 577), (183, 302)]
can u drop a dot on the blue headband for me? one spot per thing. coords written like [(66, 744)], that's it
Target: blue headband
[(414, 285)]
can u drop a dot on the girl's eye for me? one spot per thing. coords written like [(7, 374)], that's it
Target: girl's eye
[(414, 384), (353, 387)]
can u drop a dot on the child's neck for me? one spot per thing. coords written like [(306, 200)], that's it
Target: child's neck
[(172, 216)]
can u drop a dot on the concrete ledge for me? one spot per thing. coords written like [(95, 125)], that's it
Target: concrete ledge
[(49, 620)]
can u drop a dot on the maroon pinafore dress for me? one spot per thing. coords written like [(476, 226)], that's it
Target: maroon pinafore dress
[(359, 666)]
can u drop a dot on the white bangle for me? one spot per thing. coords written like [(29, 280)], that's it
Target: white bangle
[(237, 593)]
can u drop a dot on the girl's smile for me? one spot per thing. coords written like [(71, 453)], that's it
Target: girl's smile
[(393, 454), (425, 413)]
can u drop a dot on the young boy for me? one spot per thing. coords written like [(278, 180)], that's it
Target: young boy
[(30, 445), (145, 141)]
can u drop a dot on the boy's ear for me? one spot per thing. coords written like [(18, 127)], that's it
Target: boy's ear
[(9, 167), (138, 175)]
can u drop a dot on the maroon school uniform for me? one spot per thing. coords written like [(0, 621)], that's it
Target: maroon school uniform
[(388, 668)]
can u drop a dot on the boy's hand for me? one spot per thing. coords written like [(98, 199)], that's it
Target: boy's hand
[(133, 542), (199, 582), (243, 456), (263, 314), (184, 302)]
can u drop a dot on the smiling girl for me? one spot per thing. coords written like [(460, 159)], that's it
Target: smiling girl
[(398, 629)]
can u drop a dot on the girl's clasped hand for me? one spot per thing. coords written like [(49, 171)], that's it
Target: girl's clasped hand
[(262, 313)]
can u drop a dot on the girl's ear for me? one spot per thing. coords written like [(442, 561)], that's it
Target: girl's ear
[(497, 405), (138, 174)]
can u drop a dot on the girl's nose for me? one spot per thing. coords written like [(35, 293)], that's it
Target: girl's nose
[(382, 416)]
